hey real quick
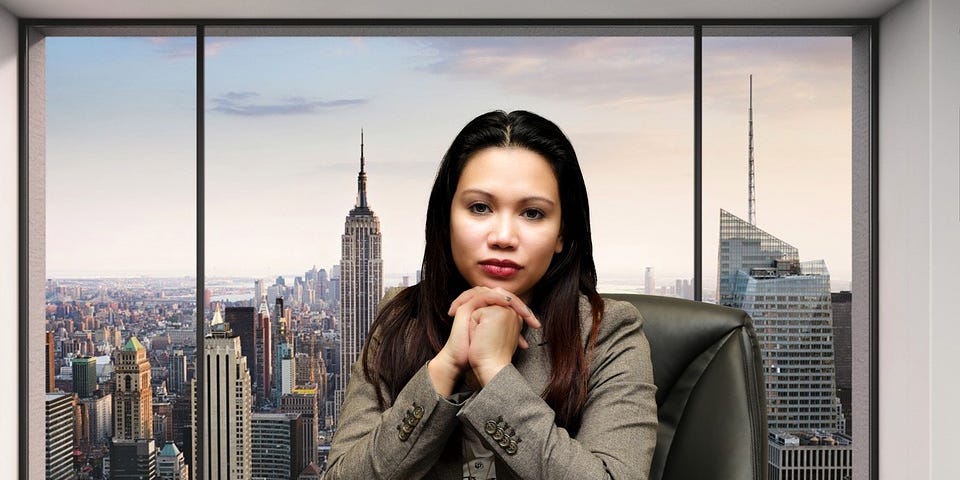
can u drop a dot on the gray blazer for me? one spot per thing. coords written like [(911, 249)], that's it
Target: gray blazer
[(615, 441)]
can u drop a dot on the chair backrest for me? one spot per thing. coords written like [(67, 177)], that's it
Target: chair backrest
[(710, 390)]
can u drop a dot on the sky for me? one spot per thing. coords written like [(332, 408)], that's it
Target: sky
[(283, 121)]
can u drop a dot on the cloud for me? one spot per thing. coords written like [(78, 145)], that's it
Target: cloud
[(248, 104), (177, 48), (598, 70), (634, 72), (788, 72)]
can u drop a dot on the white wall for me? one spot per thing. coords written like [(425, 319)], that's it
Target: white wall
[(945, 236), (8, 243), (919, 239), (904, 244)]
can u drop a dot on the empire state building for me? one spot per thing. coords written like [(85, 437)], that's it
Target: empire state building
[(361, 281)]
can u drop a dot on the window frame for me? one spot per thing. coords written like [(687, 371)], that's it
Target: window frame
[(865, 189)]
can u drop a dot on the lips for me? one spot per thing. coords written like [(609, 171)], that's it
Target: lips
[(500, 268)]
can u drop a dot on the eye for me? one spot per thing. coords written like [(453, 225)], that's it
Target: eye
[(479, 208), (532, 214)]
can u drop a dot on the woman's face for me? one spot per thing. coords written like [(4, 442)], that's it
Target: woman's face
[(505, 219)]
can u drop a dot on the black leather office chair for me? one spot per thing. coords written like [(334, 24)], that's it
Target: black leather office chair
[(710, 390)]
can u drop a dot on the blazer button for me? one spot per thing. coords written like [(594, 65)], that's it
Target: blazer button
[(504, 442), (511, 448), (407, 428), (417, 411), (490, 427)]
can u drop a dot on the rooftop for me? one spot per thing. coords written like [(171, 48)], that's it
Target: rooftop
[(133, 345)]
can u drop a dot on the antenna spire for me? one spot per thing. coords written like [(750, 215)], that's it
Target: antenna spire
[(752, 196), (362, 178)]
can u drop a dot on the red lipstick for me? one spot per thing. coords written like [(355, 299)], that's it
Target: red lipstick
[(500, 268)]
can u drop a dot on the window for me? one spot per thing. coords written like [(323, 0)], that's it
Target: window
[(278, 151)]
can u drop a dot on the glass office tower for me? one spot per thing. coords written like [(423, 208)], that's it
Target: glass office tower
[(789, 302)]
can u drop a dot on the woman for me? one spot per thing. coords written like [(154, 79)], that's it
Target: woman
[(442, 390)]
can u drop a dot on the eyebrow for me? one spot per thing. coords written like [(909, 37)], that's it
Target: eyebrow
[(484, 193)]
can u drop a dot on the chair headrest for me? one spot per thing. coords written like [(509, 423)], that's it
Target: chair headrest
[(680, 330)]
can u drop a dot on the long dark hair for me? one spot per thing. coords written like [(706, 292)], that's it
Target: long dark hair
[(397, 347)]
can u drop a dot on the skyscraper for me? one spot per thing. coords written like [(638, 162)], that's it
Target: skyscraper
[(178, 372), (283, 373), (304, 401), (133, 403), (51, 364), (225, 430), (277, 449), (789, 302), (84, 376), (649, 282), (843, 352), (263, 345), (361, 280), (744, 246), (243, 323), (259, 293), (59, 439), (132, 452), (133, 460), (99, 415)]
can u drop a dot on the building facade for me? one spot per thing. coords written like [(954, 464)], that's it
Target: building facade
[(304, 402), (98, 412), (242, 322), (277, 449), (177, 368), (133, 400), (813, 455), (263, 345), (59, 438), (133, 451), (744, 246), (228, 395), (84, 376), (133, 460), (170, 464), (841, 303), (361, 281), (789, 302), (50, 350)]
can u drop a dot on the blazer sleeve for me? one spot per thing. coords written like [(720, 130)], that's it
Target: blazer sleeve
[(618, 425), (401, 442)]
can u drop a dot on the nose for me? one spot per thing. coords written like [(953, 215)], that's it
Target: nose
[(503, 232)]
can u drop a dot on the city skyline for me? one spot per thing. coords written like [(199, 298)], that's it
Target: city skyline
[(282, 152)]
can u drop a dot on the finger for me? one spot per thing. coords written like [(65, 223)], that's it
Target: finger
[(479, 297), (520, 307), (464, 297), (522, 343)]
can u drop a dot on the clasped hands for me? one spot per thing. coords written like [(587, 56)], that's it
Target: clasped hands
[(485, 334)]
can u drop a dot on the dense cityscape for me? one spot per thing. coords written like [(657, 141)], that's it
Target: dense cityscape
[(101, 329), (124, 370)]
